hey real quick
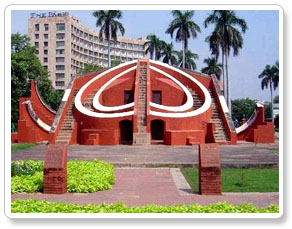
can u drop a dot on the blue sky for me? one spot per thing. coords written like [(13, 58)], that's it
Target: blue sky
[(261, 41)]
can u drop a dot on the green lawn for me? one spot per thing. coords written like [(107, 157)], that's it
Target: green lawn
[(22, 146), (240, 180)]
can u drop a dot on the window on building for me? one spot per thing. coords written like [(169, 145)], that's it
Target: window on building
[(60, 67), (46, 27), (60, 59), (60, 75), (45, 51), (60, 35), (36, 36), (45, 59), (128, 97), (60, 26), (36, 51), (130, 46), (46, 36), (37, 27), (46, 67), (60, 83), (60, 43), (156, 97), (36, 44), (46, 44), (60, 51)]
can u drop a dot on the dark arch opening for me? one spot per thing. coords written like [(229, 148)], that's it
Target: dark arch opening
[(157, 131), (126, 132)]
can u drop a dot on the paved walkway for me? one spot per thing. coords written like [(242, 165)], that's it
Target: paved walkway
[(240, 155), (162, 186)]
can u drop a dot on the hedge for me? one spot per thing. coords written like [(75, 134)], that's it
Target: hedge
[(42, 206)]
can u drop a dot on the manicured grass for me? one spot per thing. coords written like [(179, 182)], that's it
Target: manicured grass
[(40, 206), (15, 147), (240, 180), (83, 176)]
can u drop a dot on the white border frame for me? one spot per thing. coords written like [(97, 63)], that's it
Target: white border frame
[(133, 7)]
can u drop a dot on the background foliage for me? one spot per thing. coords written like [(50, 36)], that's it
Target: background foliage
[(25, 66), (242, 108)]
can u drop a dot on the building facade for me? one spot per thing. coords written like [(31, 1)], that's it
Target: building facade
[(64, 46)]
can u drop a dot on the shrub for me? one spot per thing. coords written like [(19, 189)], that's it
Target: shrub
[(83, 176), (86, 176), (41, 206), (19, 168)]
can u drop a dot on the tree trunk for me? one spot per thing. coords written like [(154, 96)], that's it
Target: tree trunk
[(228, 83), (109, 53), (184, 54), (272, 102), (223, 74)]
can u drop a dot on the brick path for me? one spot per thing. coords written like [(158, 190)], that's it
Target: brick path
[(162, 186), (240, 155)]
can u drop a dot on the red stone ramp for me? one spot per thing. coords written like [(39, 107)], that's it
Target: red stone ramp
[(256, 129)]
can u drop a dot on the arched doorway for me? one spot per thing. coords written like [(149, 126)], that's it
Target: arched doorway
[(157, 131), (126, 132)]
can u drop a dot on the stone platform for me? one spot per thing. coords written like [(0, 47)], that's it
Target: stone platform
[(241, 155)]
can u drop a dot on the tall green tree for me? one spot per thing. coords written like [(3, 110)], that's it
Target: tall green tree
[(270, 79), (185, 28), (154, 46), (189, 60), (225, 36), (25, 66), (109, 25), (19, 42), (169, 54), (212, 67)]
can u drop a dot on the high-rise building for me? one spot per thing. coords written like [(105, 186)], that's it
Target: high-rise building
[(64, 46)]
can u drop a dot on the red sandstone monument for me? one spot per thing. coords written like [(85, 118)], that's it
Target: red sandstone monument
[(138, 102)]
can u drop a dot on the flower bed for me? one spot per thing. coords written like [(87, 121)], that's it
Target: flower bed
[(83, 176)]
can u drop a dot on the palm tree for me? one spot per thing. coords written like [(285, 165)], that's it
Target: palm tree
[(154, 46), (169, 54), (109, 26), (270, 78), (185, 27), (189, 60), (225, 36), (212, 67)]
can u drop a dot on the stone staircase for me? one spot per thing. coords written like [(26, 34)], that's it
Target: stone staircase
[(68, 123), (197, 101), (220, 133), (88, 102), (142, 137)]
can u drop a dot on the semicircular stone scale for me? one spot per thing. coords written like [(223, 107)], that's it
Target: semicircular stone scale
[(197, 100)]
